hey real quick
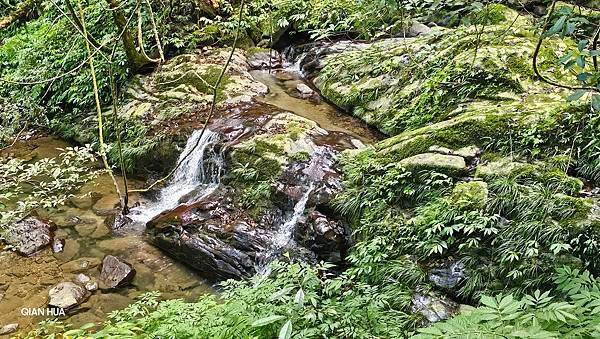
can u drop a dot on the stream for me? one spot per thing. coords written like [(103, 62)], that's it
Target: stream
[(25, 281)]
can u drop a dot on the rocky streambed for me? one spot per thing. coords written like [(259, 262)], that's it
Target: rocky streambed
[(255, 185)]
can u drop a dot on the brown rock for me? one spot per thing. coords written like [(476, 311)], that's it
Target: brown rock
[(67, 295), (116, 272), (80, 265)]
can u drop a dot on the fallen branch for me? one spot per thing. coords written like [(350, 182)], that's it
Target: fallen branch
[(537, 52)]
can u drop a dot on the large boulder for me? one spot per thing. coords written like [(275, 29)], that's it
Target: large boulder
[(29, 235), (213, 236), (327, 238)]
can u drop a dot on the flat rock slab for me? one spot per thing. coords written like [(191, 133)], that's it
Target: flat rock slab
[(116, 272), (444, 162)]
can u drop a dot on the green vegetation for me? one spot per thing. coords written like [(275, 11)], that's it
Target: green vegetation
[(492, 164), (45, 183)]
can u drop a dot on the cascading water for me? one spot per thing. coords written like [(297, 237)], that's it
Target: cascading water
[(198, 174), (283, 236)]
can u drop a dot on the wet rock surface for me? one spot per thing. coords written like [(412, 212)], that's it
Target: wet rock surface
[(448, 275), (433, 308), (328, 238), (213, 236), (29, 235), (264, 59), (220, 238), (67, 295), (115, 272)]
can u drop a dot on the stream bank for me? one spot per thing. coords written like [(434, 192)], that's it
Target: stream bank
[(280, 205)]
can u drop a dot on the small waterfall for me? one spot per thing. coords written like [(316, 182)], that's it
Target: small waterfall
[(198, 174), (284, 235)]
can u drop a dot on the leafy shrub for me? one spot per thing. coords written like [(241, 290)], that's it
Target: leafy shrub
[(570, 310), (46, 183), (294, 301)]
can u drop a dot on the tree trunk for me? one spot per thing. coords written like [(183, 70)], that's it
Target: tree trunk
[(136, 59), (22, 12)]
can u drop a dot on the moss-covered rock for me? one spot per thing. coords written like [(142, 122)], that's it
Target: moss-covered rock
[(442, 163), (472, 194), (399, 85), (157, 107)]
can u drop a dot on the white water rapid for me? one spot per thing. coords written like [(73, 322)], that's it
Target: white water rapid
[(283, 236), (198, 174)]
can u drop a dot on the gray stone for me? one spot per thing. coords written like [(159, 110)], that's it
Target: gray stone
[(116, 272), (500, 168), (264, 59), (418, 29), (469, 152), (29, 235), (304, 89), (67, 295), (58, 245), (91, 286), (81, 279), (433, 308), (449, 275), (8, 329)]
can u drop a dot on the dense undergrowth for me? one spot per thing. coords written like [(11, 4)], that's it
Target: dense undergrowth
[(521, 218)]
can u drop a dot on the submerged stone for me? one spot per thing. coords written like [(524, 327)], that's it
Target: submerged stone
[(8, 329)]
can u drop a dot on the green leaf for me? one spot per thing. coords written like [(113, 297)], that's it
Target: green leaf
[(299, 299), (286, 330), (596, 102), (267, 320), (280, 293), (580, 61), (488, 301), (558, 26)]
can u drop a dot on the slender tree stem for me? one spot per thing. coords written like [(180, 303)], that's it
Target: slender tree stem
[(213, 105), (536, 53), (98, 107)]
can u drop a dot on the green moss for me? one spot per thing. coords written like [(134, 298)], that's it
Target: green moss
[(472, 195), (300, 156), (187, 75), (255, 50)]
